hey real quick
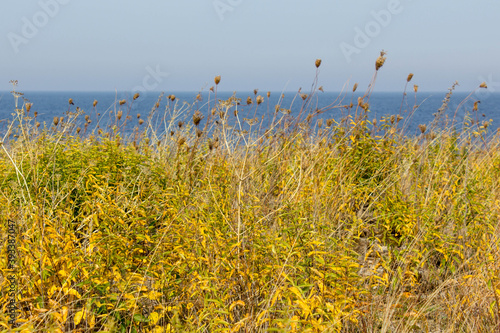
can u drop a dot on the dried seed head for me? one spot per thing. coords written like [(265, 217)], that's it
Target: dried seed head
[(28, 107), (122, 102), (249, 100), (260, 99), (399, 118), (380, 60), (78, 130), (119, 114), (374, 122), (70, 101), (475, 106), (320, 123), (172, 133), (303, 96), (180, 124), (410, 76), (56, 121), (198, 97), (141, 121), (483, 85), (37, 124), (321, 89), (354, 87), (136, 96), (172, 97), (329, 122), (199, 133), (197, 117), (318, 63), (181, 141), (217, 80), (393, 119), (95, 103), (212, 89), (87, 118), (35, 113), (61, 119), (268, 94), (422, 128), (255, 91), (415, 88)]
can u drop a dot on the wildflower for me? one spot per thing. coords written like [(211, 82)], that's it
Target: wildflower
[(217, 80), (410, 76), (318, 63)]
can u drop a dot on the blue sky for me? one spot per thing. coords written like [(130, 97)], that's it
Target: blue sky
[(271, 45)]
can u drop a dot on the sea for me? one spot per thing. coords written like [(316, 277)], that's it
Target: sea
[(416, 109)]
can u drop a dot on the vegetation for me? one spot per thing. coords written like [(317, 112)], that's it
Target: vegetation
[(214, 223)]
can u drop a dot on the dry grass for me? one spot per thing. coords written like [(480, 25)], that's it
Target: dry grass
[(214, 223)]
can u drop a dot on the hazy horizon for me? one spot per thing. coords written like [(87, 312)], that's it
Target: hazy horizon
[(65, 45)]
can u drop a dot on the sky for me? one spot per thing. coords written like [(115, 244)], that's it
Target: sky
[(70, 45)]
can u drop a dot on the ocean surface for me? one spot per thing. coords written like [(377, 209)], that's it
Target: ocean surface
[(55, 104)]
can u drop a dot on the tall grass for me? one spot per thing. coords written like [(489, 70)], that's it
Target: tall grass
[(214, 223)]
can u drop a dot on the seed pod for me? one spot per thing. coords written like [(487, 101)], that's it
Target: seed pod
[(136, 96), (355, 87), (141, 121), (410, 76), (119, 114), (56, 121), (318, 63), (95, 103), (122, 102), (217, 80), (70, 101), (260, 99)]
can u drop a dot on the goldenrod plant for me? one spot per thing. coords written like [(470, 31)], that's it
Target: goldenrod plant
[(213, 222)]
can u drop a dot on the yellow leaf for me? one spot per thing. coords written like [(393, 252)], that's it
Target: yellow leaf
[(92, 321), (78, 317), (231, 307), (259, 317), (154, 317)]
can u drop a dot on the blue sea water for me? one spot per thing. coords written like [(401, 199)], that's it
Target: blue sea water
[(55, 104)]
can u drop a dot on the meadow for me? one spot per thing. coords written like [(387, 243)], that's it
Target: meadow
[(213, 223)]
